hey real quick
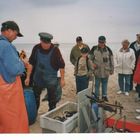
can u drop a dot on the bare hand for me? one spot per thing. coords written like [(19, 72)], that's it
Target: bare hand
[(111, 73), (94, 66), (25, 61), (62, 83), (27, 81)]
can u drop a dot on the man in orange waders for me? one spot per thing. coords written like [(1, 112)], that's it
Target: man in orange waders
[(13, 115)]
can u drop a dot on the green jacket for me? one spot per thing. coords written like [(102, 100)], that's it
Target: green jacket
[(76, 53)]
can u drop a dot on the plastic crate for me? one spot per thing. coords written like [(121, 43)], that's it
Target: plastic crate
[(51, 125)]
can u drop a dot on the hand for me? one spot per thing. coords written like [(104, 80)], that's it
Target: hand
[(25, 61), (62, 83), (94, 66), (111, 73), (27, 81)]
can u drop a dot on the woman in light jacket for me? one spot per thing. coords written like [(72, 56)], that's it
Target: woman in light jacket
[(124, 62)]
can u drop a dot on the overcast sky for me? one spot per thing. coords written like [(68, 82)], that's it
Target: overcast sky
[(66, 19)]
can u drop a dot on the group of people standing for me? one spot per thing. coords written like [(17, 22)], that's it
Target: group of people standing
[(98, 60), (42, 68), (102, 63)]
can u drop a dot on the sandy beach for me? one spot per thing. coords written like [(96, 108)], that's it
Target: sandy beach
[(128, 102)]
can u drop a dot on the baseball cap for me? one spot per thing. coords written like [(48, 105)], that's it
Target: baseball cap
[(12, 25), (78, 39), (101, 39), (84, 50)]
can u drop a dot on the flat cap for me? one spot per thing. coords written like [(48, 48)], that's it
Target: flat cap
[(45, 37)]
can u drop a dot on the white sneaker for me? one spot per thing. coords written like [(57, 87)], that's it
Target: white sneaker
[(138, 117), (138, 110), (119, 92), (127, 93)]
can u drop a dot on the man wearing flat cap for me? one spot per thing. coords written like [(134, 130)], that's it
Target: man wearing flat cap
[(13, 114), (102, 58), (136, 47), (46, 60)]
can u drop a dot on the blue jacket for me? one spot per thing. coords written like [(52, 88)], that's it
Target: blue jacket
[(10, 63)]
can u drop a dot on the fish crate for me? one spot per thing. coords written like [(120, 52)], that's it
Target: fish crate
[(50, 122)]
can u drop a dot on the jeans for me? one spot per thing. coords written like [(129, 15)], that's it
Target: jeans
[(131, 81), (124, 82), (81, 83), (104, 82)]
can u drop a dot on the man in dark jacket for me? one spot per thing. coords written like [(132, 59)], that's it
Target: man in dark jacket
[(46, 60), (136, 47)]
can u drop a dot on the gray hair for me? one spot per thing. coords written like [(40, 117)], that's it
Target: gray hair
[(125, 41)]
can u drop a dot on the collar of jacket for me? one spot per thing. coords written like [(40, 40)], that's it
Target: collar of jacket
[(126, 50), (45, 51), (2, 37), (80, 46), (102, 49)]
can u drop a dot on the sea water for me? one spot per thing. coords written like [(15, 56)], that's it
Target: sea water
[(65, 48)]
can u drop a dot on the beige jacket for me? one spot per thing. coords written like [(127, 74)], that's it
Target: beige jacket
[(103, 59)]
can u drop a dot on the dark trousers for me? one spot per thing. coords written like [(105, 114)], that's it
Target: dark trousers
[(82, 82), (51, 89), (138, 90)]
